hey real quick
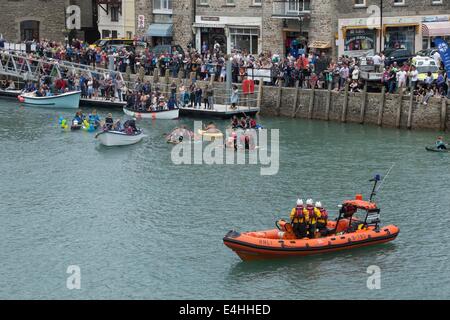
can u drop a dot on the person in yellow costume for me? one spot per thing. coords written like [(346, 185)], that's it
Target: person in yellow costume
[(299, 220)]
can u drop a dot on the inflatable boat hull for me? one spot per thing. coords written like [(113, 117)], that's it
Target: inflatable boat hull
[(268, 245)]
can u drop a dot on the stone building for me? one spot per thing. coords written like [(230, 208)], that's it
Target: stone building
[(37, 19), (154, 20), (409, 24), (255, 25)]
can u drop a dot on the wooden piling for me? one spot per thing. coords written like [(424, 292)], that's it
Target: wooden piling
[(278, 106), (381, 109), (410, 111), (344, 108), (156, 75), (260, 91), (294, 107), (443, 114), (328, 103), (364, 104), (311, 103), (399, 110)]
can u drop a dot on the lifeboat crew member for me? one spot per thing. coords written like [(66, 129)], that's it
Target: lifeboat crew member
[(299, 220), (322, 218), (312, 219)]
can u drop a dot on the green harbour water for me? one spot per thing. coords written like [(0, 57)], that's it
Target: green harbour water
[(140, 227)]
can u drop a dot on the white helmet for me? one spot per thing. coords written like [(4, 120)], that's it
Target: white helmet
[(319, 204), (299, 202), (309, 202)]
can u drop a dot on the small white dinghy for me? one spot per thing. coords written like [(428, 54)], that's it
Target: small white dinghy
[(119, 138), (154, 115), (68, 100)]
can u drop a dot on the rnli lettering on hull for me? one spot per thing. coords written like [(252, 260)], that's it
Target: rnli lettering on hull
[(190, 310)]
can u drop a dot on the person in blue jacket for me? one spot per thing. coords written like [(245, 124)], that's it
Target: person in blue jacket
[(440, 144)]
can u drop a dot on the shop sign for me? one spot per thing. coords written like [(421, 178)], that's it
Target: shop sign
[(435, 19), (210, 18)]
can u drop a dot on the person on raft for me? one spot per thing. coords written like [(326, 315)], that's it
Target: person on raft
[(440, 144), (234, 122), (211, 128), (109, 122), (79, 118), (299, 220), (94, 118)]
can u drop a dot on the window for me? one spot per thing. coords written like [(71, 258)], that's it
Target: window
[(163, 6), (360, 3), (360, 39), (257, 2), (29, 30), (114, 34), (106, 34), (230, 2), (203, 2), (436, 2), (245, 39), (114, 14), (294, 6)]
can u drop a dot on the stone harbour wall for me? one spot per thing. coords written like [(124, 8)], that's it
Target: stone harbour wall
[(386, 110)]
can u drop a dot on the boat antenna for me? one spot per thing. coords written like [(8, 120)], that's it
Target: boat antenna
[(385, 177), (375, 182), (376, 179)]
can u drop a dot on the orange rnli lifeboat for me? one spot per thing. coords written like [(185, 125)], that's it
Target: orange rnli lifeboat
[(346, 232)]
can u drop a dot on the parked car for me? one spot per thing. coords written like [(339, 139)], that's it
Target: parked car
[(427, 52), (112, 41), (425, 65), (397, 55)]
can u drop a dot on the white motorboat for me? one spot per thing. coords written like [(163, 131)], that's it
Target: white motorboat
[(119, 138)]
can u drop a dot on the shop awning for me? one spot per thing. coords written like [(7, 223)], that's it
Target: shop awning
[(434, 29), (319, 44), (160, 30)]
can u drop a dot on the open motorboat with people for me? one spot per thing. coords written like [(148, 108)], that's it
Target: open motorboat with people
[(348, 231), (68, 100), (113, 136)]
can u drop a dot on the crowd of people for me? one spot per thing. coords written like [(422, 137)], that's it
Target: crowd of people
[(309, 68)]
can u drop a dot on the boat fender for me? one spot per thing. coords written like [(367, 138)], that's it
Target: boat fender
[(21, 99), (281, 234)]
